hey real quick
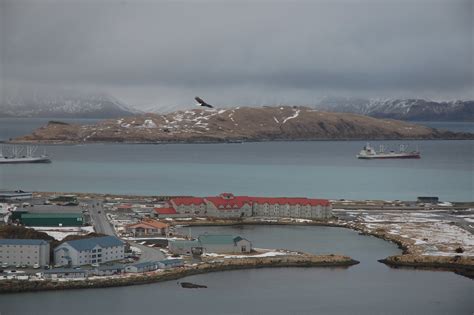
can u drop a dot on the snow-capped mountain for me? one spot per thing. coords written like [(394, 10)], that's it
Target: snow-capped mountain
[(64, 105), (403, 109)]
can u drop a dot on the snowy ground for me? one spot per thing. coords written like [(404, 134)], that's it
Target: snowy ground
[(431, 233), (60, 233)]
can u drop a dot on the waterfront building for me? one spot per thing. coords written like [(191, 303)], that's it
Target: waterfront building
[(29, 252), (185, 247), (88, 251), (226, 205), (107, 270), (64, 273), (220, 244), (52, 219), (142, 267), (170, 263), (224, 244), (147, 227)]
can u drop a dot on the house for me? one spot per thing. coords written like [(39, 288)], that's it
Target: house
[(185, 247), (27, 252), (88, 251), (147, 227), (224, 244), (170, 263), (64, 273), (142, 267)]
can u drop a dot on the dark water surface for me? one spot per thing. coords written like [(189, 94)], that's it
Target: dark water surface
[(367, 288)]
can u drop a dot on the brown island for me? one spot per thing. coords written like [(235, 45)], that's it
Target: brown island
[(236, 125)]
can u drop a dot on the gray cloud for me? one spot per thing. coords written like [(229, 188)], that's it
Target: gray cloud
[(159, 52)]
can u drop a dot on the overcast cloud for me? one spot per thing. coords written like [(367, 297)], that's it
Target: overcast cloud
[(240, 52)]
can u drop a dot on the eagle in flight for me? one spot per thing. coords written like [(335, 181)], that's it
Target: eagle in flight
[(202, 103)]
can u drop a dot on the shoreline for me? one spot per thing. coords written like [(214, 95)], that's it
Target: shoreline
[(284, 261), (469, 137), (460, 265)]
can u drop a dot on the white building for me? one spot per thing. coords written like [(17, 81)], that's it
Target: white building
[(88, 251), (27, 252)]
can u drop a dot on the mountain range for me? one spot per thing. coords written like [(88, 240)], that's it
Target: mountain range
[(403, 109), (64, 105)]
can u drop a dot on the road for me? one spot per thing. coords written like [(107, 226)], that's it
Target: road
[(99, 220), (148, 253), (103, 226)]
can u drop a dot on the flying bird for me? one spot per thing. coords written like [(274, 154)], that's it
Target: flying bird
[(202, 103)]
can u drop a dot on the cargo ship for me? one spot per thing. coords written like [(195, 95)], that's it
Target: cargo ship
[(17, 156), (369, 152)]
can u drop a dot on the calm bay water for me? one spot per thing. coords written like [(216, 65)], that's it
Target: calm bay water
[(326, 169), (367, 288)]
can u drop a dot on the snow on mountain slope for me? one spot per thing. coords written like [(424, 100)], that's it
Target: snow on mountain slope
[(404, 109), (64, 105)]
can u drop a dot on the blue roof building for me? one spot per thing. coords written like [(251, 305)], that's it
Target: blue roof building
[(94, 250)]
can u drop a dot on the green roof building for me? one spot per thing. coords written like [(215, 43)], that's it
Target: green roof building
[(52, 219)]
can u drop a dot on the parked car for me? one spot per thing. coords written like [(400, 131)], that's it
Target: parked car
[(36, 266)]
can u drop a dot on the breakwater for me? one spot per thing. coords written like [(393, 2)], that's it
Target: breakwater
[(298, 260)]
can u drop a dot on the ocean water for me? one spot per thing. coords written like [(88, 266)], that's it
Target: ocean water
[(326, 169), (367, 288)]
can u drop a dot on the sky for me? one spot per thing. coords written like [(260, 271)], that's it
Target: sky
[(164, 53)]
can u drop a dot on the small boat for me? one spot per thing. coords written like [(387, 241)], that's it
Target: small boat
[(369, 152), (16, 155)]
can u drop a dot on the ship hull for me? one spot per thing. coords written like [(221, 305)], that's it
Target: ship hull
[(394, 156), (24, 160)]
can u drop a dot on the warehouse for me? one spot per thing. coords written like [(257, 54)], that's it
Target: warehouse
[(220, 244), (185, 247), (225, 244), (52, 219), (29, 252)]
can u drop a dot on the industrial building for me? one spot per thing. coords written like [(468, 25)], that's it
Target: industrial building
[(29, 252), (52, 219), (88, 251), (220, 244)]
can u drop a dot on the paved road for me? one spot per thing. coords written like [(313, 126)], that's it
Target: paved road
[(99, 220), (148, 253), (102, 225)]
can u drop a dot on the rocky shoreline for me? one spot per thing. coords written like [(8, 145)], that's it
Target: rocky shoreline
[(297, 260)]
